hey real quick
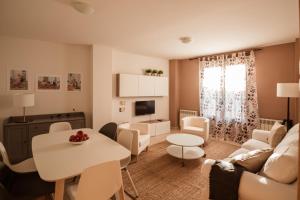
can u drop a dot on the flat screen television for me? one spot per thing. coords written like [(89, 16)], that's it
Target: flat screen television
[(144, 107)]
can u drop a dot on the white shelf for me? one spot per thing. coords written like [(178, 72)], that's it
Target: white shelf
[(188, 152), (130, 85)]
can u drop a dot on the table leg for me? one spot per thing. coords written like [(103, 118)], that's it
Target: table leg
[(59, 189), (182, 156)]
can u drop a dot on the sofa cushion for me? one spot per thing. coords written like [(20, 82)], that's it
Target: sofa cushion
[(239, 151), (253, 160), (282, 166), (277, 133), (291, 138), (253, 144), (293, 130)]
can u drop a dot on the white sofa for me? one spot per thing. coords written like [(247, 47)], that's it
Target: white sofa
[(256, 186), (196, 125), (141, 138)]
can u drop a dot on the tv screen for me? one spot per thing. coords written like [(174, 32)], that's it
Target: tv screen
[(144, 107)]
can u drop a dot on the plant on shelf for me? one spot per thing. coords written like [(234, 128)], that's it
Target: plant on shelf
[(154, 72), (148, 72), (160, 72)]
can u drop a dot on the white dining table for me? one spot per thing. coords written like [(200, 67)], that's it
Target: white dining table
[(56, 159)]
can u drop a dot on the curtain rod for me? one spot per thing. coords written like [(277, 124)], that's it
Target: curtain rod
[(229, 52)]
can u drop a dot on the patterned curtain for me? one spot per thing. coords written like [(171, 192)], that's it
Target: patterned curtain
[(228, 95)]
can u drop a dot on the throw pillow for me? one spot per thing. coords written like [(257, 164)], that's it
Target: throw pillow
[(282, 165), (253, 160), (277, 133)]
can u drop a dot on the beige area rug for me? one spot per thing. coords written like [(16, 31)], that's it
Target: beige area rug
[(159, 176)]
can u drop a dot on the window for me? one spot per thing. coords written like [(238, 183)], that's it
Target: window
[(224, 90)]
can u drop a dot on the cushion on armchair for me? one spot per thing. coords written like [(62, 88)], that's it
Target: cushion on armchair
[(277, 133)]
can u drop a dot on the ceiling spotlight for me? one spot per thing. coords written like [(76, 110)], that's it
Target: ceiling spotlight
[(185, 39), (83, 7)]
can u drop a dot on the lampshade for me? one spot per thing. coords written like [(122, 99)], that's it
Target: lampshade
[(287, 90), (23, 100)]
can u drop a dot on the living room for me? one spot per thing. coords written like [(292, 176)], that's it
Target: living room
[(161, 75)]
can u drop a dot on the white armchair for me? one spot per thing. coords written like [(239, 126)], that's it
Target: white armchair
[(141, 139), (196, 125)]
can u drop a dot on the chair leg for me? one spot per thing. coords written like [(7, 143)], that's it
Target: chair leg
[(121, 193), (131, 181)]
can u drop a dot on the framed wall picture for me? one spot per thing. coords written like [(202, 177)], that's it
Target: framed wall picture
[(48, 82), (74, 82), (18, 79)]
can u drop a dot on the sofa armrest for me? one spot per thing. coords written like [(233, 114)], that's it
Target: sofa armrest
[(265, 188), (206, 167), (261, 135)]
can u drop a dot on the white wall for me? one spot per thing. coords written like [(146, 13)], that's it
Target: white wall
[(45, 58), (123, 62), (102, 85), (98, 65)]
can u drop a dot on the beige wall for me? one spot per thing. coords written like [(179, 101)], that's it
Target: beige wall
[(174, 92), (189, 93), (124, 62), (45, 58), (274, 64)]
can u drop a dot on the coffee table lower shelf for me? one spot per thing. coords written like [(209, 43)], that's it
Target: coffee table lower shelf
[(185, 153)]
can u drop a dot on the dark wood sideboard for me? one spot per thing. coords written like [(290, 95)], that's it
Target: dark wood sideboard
[(17, 137)]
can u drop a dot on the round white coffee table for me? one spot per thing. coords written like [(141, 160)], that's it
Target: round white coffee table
[(185, 146)]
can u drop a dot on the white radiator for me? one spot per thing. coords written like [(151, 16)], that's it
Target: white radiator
[(186, 113), (266, 124)]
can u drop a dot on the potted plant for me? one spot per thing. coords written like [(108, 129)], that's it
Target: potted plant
[(154, 72), (160, 72), (148, 72)]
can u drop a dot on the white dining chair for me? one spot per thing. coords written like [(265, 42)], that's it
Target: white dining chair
[(99, 182), (21, 167), (125, 138), (60, 126)]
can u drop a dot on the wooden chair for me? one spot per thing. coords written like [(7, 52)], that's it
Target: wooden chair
[(22, 186), (25, 166), (110, 130), (60, 126), (99, 182), (125, 138)]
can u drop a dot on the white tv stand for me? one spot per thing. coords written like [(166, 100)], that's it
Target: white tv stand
[(157, 127)]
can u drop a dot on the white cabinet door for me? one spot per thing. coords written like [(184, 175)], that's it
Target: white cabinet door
[(128, 85), (146, 86), (162, 127), (161, 86)]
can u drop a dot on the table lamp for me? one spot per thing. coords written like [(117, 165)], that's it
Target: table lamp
[(23, 100), (288, 90)]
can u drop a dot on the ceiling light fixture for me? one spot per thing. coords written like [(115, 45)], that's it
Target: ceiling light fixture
[(83, 7), (185, 39)]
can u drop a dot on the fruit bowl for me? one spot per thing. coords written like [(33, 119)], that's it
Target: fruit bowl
[(77, 142), (78, 138)]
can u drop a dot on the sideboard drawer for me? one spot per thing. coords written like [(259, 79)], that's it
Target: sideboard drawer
[(76, 124), (39, 128)]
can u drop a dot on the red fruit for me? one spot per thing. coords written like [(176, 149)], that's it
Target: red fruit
[(79, 132)]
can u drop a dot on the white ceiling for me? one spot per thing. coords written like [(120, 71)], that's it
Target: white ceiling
[(152, 27)]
